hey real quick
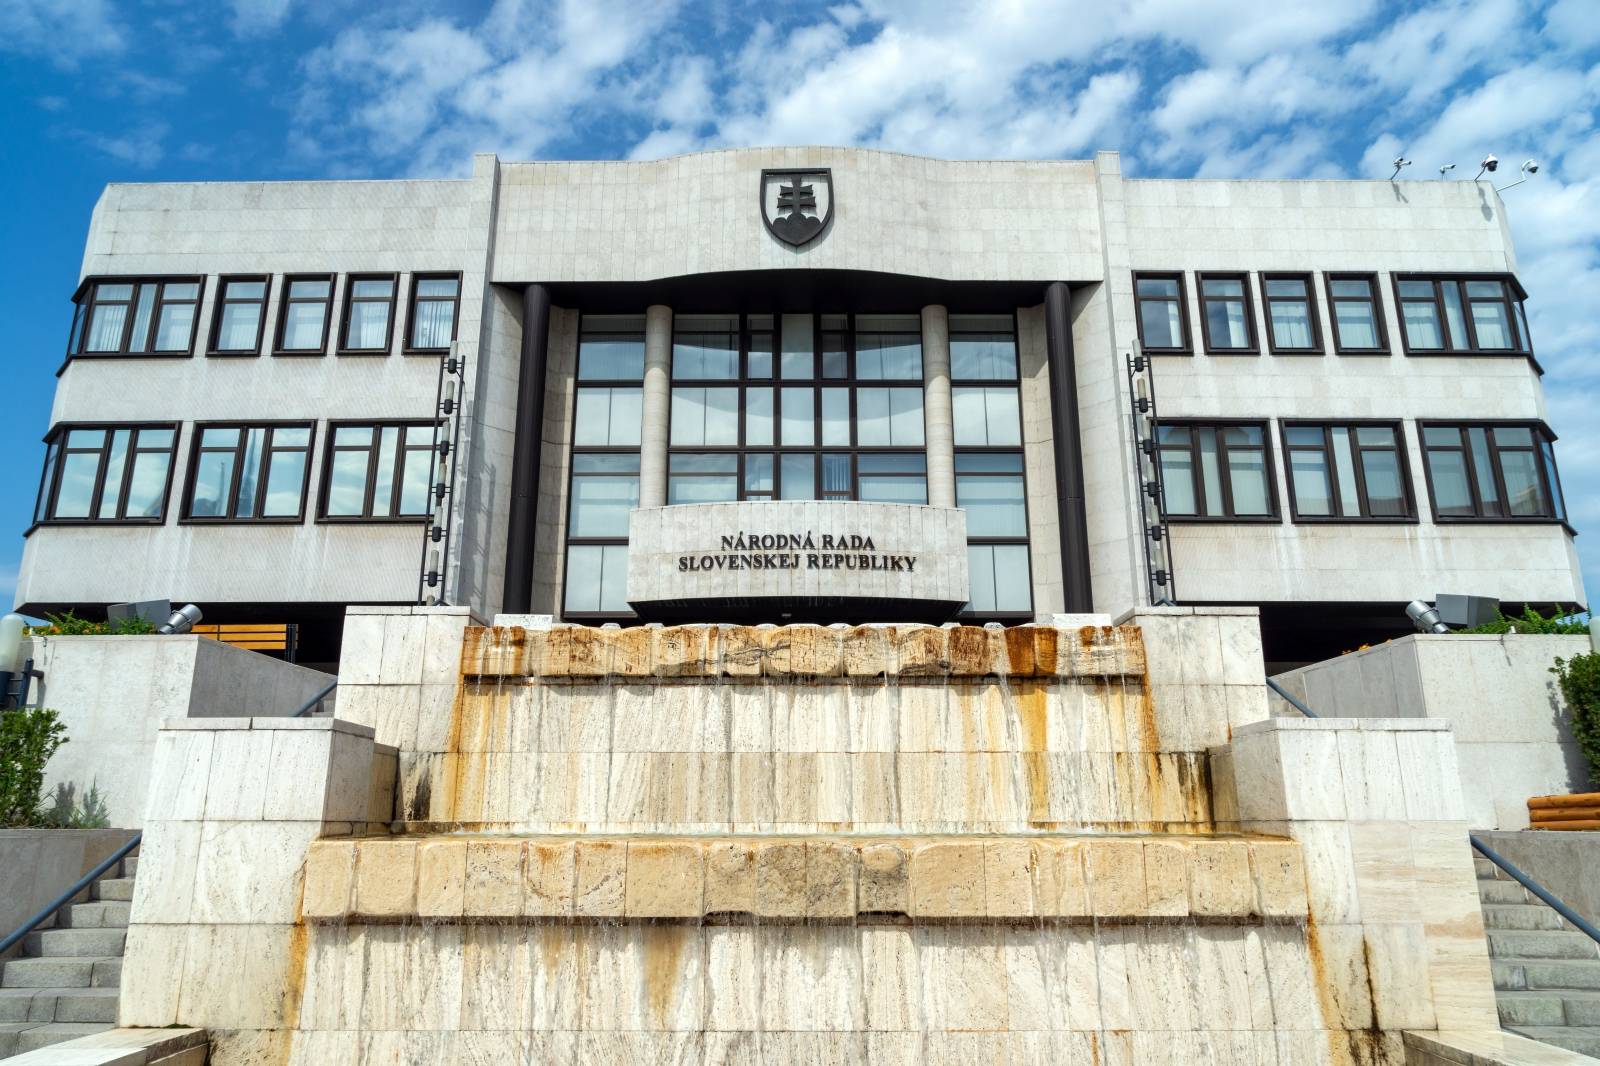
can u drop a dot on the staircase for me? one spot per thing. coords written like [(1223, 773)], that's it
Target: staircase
[(66, 981), (1546, 974)]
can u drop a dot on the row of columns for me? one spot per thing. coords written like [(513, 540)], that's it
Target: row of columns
[(938, 414)]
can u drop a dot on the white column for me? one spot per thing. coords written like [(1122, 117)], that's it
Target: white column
[(937, 406), (656, 406)]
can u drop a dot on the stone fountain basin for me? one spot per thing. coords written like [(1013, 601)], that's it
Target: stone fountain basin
[(462, 878)]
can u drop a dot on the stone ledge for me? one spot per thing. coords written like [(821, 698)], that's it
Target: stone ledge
[(1490, 1047), (916, 651), (119, 1047), (953, 878)]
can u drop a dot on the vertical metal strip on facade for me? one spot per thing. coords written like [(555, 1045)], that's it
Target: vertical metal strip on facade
[(525, 459), (1066, 426)]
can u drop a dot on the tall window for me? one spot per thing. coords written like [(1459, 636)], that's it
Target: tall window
[(1501, 471), (241, 313), (1291, 307), (1357, 314), (1216, 471), (137, 317), (1461, 314), (377, 472), (106, 473), (368, 314), (435, 302), (798, 408), (1346, 472), (1225, 316), (304, 315), (605, 464), (243, 473), (985, 380), (1163, 315)]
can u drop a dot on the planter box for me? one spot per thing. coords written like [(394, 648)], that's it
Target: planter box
[(1575, 811), (1513, 736)]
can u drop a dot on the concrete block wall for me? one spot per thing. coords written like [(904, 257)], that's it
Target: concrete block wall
[(215, 939)]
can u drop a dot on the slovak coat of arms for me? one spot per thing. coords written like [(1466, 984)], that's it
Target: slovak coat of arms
[(797, 205)]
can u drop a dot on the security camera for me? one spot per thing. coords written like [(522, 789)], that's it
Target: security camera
[(1445, 170), (1399, 161), (1490, 163), (1530, 167)]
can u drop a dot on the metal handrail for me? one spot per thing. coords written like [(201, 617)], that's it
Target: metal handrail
[(1296, 704), (66, 897), (117, 856), (1554, 902), (1549, 898)]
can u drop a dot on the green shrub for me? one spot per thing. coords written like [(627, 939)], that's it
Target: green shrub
[(70, 625), (28, 738), (1531, 621), (66, 812), (1580, 684)]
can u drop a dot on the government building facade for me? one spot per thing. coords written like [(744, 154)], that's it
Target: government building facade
[(801, 384)]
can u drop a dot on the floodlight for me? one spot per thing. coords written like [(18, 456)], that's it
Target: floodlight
[(1489, 164), (182, 620), (1399, 161), (1447, 166)]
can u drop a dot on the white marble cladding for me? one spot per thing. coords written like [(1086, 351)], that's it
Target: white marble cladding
[(933, 538), (604, 221)]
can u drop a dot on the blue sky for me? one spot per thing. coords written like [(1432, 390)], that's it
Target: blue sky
[(99, 91)]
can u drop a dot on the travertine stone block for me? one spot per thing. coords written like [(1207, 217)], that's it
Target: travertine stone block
[(576, 651), (1280, 878), (330, 875), (781, 880), (947, 881), (885, 879), (730, 878), (386, 878), (684, 651), (830, 880), (802, 651), (664, 881), (742, 654), (549, 879), (632, 651), (1115, 870), (868, 652), (494, 878), (1063, 881), (1166, 879), (601, 876), (975, 651), (1008, 879), (921, 651), (1220, 882), (441, 878)]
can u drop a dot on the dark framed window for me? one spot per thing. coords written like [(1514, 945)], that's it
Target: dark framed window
[(249, 473), (1226, 319), (368, 327), (1464, 313), (985, 380), (1357, 314), (1163, 313), (1216, 471), (433, 309), (1492, 471), (106, 473), (377, 472), (1347, 472), (137, 316), (304, 315), (240, 316), (797, 407), (1290, 301), (603, 483)]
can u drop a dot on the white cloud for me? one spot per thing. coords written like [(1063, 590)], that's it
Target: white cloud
[(142, 146), (65, 31), (252, 17)]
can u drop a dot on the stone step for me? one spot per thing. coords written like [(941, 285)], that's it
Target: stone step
[(108, 914), (1521, 916), (75, 943), (114, 888), (1517, 975), (1503, 892), (1534, 944), (64, 1005), (1530, 1008), (1486, 870), (38, 1036), (48, 973), (1585, 1040), (130, 866), (107, 973)]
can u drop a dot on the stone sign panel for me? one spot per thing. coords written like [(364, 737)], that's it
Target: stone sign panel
[(797, 560)]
